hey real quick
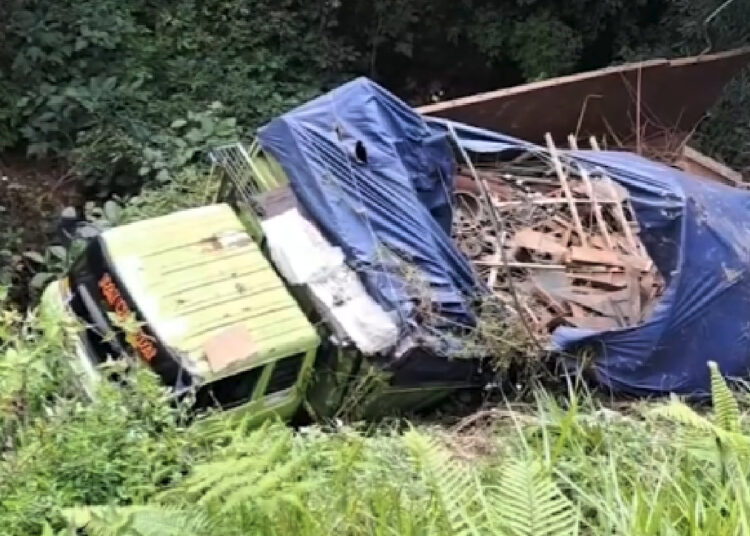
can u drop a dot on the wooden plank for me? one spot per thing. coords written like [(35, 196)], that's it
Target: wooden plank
[(547, 299), (600, 323), (620, 217), (577, 311), (572, 142), (492, 279), (565, 186), (639, 262), (605, 303), (565, 240), (597, 208), (598, 242), (545, 243), (607, 281), (610, 258), (695, 162), (595, 256), (488, 261)]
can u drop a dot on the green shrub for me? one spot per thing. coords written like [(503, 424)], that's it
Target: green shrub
[(58, 449)]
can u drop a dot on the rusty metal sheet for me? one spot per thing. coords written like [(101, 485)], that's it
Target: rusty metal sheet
[(675, 95)]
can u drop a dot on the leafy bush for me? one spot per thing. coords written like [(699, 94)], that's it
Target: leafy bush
[(101, 81), (58, 449), (127, 162), (106, 79), (726, 134)]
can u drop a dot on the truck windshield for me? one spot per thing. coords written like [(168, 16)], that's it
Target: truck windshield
[(114, 324)]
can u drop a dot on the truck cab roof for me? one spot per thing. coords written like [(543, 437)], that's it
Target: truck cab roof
[(206, 291)]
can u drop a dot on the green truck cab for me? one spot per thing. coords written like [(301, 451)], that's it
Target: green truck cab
[(192, 296)]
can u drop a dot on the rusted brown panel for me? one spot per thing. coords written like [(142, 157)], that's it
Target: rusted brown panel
[(675, 94), (696, 163)]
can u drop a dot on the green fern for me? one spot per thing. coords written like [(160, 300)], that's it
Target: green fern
[(152, 520), (261, 469), (725, 431), (455, 487), (527, 502), (726, 409), (679, 412)]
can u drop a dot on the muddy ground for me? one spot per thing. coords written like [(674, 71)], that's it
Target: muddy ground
[(32, 195)]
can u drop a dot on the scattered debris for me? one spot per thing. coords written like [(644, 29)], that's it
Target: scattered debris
[(571, 246)]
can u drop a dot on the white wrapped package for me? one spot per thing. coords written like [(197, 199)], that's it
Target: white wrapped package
[(350, 310), (298, 249), (304, 257)]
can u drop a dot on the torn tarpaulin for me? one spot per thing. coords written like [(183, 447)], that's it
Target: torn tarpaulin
[(698, 234), (377, 181)]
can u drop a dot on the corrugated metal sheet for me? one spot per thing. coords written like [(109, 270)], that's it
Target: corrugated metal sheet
[(196, 275)]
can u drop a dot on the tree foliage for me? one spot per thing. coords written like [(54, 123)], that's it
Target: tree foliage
[(99, 82), (102, 81)]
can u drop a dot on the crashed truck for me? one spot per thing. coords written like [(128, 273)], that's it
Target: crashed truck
[(329, 276), (288, 294)]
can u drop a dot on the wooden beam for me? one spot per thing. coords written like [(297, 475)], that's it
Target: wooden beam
[(566, 187), (597, 208)]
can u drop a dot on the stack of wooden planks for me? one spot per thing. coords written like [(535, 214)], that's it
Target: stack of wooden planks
[(567, 243)]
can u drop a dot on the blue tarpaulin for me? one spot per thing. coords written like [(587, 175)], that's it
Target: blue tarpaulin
[(698, 234), (377, 181)]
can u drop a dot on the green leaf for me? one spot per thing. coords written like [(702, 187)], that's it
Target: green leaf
[(34, 256), (112, 211), (194, 136), (109, 84), (58, 252), (41, 279), (47, 530), (178, 123), (163, 176), (726, 409), (528, 502)]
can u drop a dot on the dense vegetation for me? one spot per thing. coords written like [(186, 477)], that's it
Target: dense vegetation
[(129, 464), (118, 94), (108, 105)]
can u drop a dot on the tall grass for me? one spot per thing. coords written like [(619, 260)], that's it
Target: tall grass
[(128, 464)]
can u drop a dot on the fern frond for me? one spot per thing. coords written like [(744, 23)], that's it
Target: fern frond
[(527, 502), (151, 520), (726, 409), (454, 486), (260, 469), (272, 484), (679, 412)]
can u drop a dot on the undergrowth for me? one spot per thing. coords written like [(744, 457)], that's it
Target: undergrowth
[(129, 463)]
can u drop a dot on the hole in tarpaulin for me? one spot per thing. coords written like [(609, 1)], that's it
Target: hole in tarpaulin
[(360, 153)]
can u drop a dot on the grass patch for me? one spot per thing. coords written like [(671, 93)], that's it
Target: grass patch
[(129, 464)]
